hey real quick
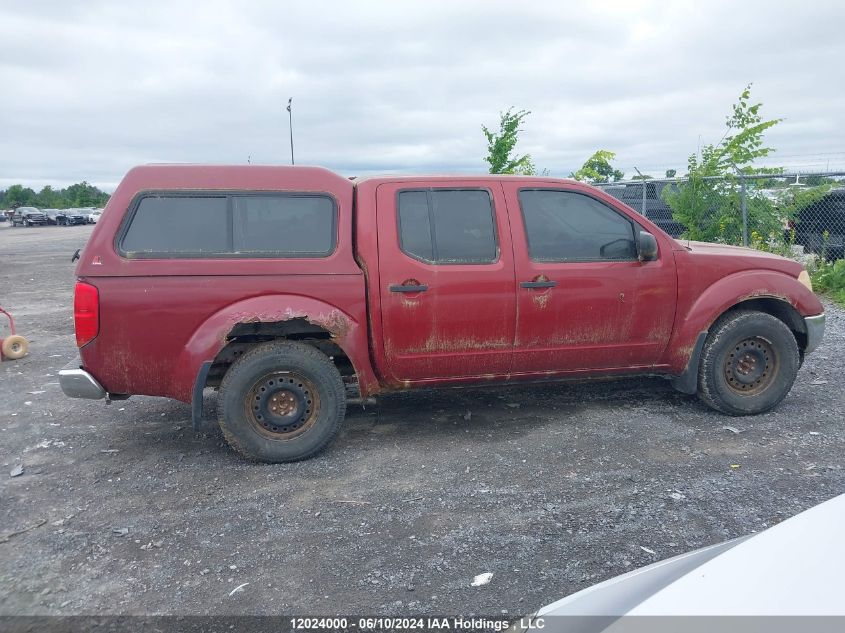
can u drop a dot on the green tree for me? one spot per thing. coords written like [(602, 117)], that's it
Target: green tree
[(79, 195), (709, 202), (48, 198), (501, 145), (670, 173), (18, 196), (815, 180), (85, 195), (597, 168)]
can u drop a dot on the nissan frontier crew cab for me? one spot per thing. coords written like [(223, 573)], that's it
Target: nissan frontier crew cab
[(291, 289)]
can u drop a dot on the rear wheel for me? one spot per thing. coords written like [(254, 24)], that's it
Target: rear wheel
[(748, 364), (281, 402)]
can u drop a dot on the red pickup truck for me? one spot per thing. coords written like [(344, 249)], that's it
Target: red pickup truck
[(291, 289)]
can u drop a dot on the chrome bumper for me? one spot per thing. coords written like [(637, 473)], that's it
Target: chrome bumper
[(815, 331), (78, 383)]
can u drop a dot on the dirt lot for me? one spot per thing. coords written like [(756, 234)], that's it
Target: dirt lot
[(551, 488)]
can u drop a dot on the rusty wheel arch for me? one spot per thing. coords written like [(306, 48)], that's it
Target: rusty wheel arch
[(246, 334), (779, 308)]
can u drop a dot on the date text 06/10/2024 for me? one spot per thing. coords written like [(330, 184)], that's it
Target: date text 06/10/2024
[(446, 623)]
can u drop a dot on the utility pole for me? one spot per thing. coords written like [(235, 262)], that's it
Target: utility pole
[(290, 125)]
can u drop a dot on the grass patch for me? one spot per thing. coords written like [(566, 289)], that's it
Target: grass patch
[(829, 279)]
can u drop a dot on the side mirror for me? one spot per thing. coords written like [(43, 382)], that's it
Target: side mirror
[(646, 246)]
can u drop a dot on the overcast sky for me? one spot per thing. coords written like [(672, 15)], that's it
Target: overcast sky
[(91, 88)]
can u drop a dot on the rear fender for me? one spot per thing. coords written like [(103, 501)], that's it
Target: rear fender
[(210, 337)]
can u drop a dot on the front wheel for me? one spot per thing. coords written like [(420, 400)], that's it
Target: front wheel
[(748, 364), (281, 402)]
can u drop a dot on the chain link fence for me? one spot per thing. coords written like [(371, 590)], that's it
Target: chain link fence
[(798, 212)]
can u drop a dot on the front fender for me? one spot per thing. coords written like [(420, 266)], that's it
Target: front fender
[(210, 337), (726, 293)]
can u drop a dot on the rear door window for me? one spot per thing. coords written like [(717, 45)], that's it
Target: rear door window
[(415, 226), (448, 226)]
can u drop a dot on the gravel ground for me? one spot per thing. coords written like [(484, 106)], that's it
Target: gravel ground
[(124, 509)]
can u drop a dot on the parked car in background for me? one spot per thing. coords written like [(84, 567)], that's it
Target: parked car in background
[(86, 213), (72, 217), (655, 209), (820, 226), (65, 217), (28, 216), (263, 283), (4, 215), (94, 216)]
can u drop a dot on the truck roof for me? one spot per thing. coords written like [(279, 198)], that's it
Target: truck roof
[(448, 177), (275, 177), (175, 176)]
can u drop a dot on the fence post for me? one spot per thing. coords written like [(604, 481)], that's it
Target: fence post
[(744, 206), (642, 180), (642, 208)]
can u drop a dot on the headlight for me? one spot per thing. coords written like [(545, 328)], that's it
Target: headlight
[(804, 279)]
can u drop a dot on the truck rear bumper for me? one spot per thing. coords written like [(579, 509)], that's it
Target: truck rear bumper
[(815, 331), (78, 383)]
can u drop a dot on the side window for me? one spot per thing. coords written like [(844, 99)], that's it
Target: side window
[(414, 225), (294, 226), (448, 226), (568, 226), (178, 224), (231, 225)]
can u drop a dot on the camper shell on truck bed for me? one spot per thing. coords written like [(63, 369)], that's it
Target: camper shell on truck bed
[(291, 288)]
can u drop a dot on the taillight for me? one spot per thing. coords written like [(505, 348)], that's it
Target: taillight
[(86, 312)]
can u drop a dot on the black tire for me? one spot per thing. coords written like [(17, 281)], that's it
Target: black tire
[(748, 364), (282, 401)]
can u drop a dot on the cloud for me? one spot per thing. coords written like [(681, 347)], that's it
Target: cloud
[(91, 89)]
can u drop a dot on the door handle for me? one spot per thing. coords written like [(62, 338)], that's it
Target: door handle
[(408, 288), (538, 284)]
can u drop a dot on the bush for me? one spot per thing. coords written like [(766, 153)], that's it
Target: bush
[(708, 203), (829, 278)]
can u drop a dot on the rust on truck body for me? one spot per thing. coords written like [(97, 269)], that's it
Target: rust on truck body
[(163, 319)]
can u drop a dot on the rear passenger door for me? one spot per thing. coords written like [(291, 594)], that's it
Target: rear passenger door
[(446, 279)]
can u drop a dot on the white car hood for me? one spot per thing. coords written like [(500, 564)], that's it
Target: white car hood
[(793, 568)]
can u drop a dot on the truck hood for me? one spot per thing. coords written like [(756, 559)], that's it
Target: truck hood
[(747, 257)]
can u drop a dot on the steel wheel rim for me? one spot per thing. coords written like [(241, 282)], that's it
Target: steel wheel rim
[(751, 366), (282, 405)]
